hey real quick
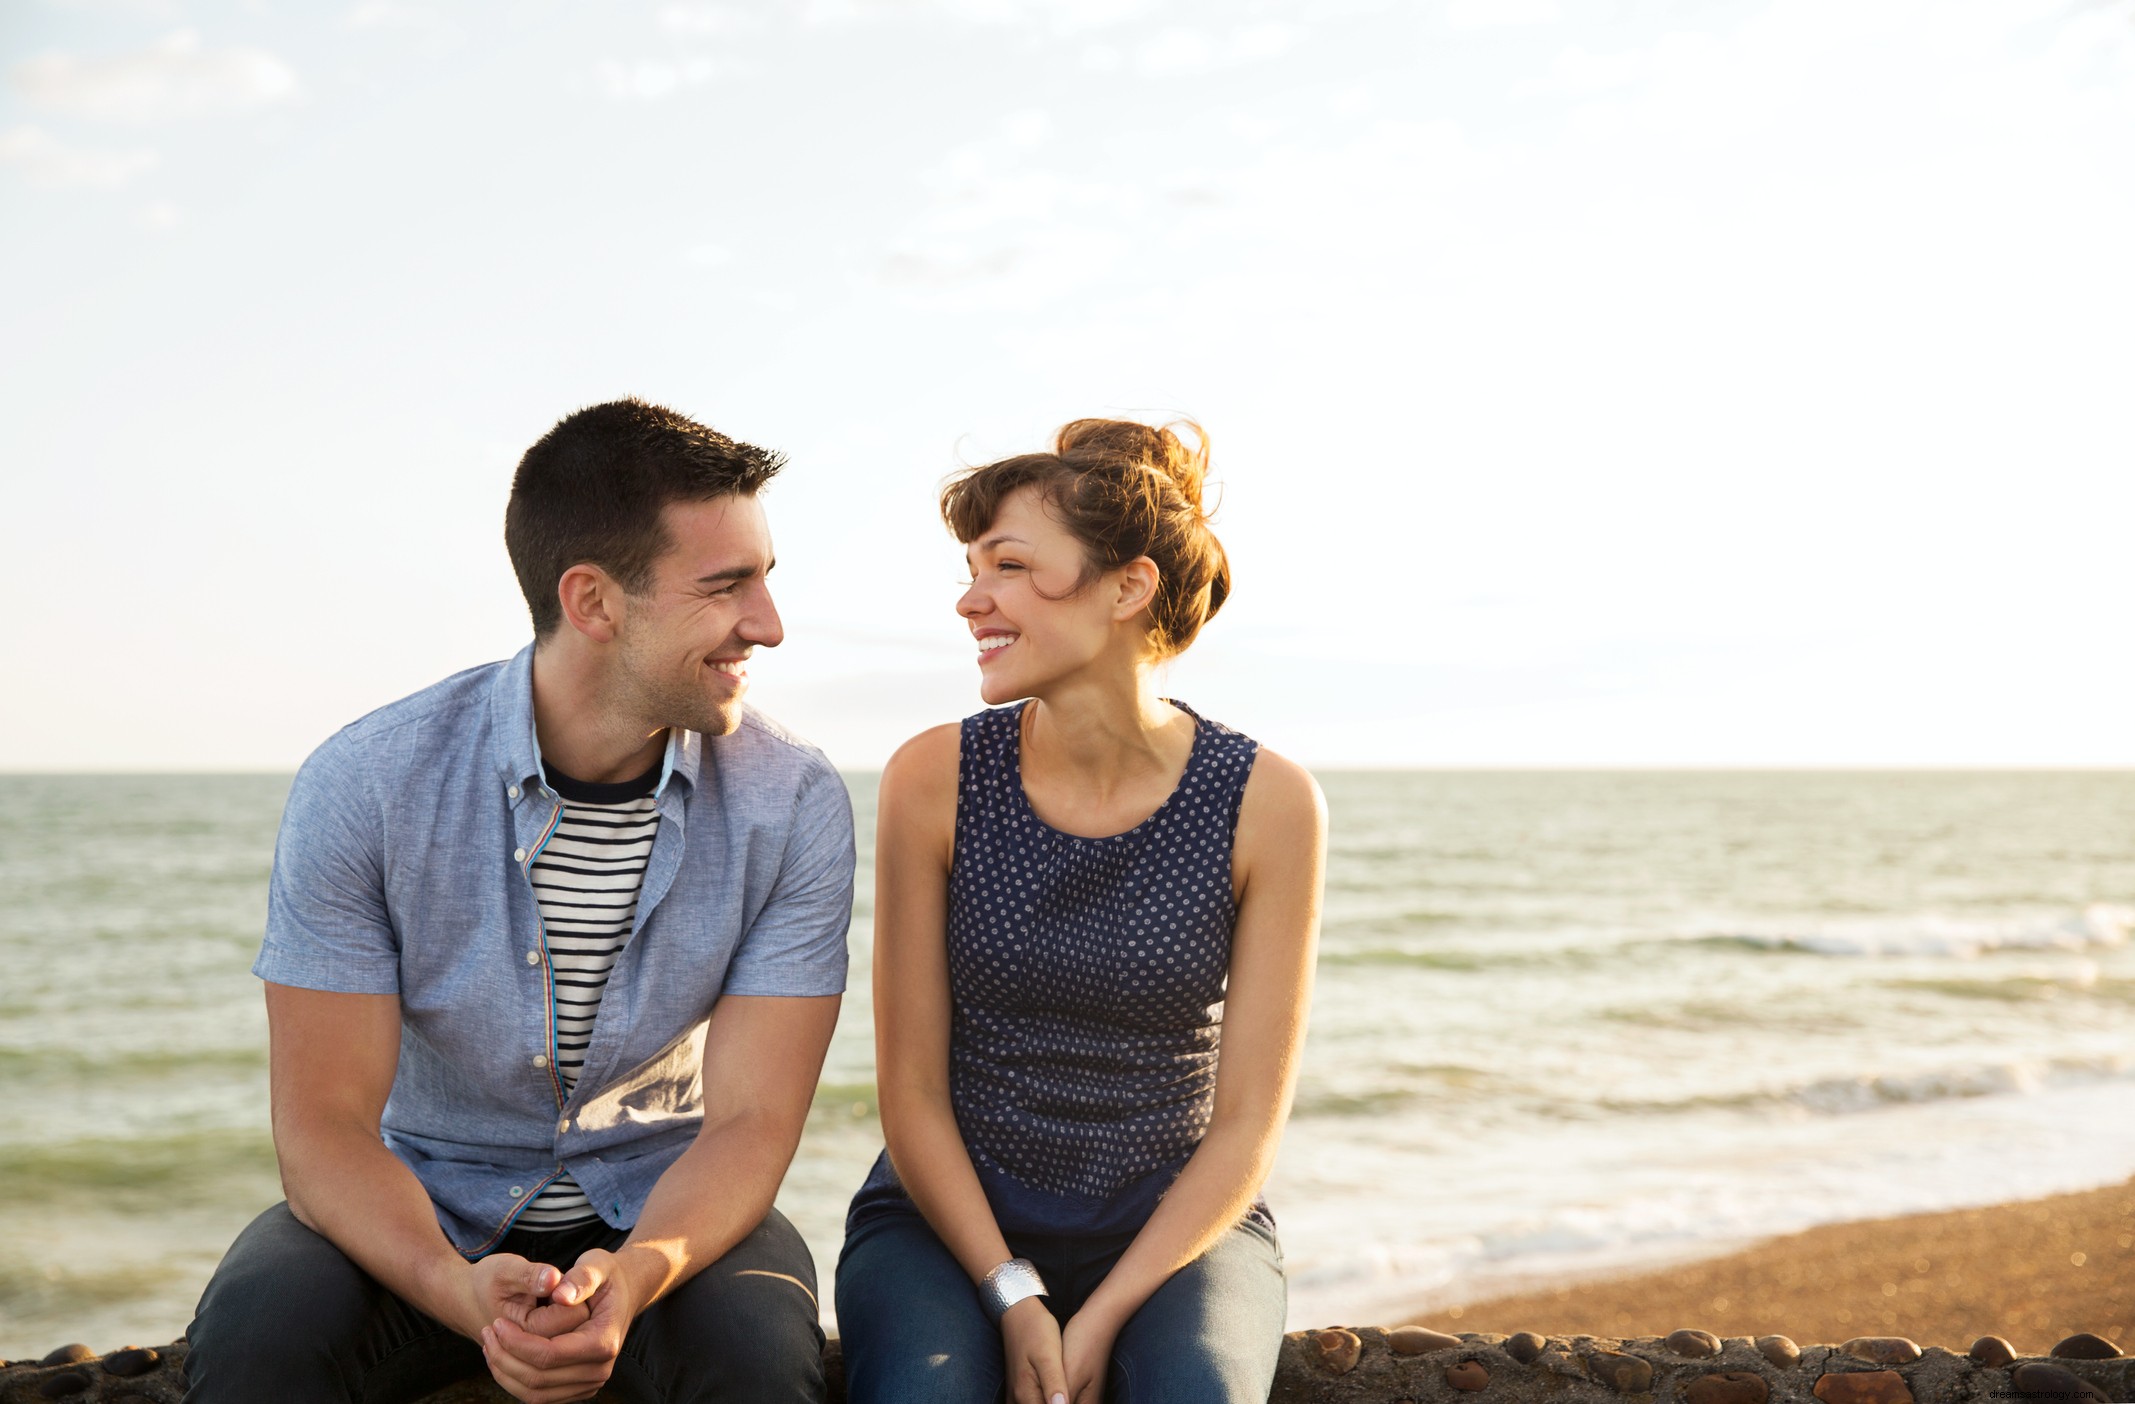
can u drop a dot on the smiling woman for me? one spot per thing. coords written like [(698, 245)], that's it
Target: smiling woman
[(1076, 898)]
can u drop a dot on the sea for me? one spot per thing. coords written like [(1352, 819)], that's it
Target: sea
[(1566, 1024)]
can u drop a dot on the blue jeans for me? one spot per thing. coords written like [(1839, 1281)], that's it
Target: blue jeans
[(915, 1332), (288, 1316)]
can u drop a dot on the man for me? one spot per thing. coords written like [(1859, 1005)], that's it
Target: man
[(554, 949)]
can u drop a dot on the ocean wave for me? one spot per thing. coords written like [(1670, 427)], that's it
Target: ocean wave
[(2098, 926), (1845, 1096)]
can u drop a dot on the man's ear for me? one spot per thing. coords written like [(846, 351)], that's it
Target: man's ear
[(1138, 580), (592, 601)]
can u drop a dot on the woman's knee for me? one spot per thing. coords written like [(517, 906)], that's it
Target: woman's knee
[(1212, 1333), (911, 1325)]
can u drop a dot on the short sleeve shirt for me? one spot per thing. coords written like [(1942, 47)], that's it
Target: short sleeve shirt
[(401, 868)]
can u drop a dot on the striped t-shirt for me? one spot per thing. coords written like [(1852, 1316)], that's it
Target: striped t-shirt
[(586, 881)]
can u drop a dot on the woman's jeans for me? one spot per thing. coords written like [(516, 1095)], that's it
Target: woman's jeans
[(914, 1329)]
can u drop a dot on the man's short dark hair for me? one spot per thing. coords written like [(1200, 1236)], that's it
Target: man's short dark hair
[(592, 489)]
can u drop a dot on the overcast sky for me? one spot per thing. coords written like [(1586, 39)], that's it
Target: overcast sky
[(1609, 382)]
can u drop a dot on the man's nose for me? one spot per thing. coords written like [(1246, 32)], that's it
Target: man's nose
[(761, 626)]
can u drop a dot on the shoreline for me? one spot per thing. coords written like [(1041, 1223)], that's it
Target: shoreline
[(2030, 1271)]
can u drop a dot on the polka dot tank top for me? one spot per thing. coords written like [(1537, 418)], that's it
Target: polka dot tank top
[(1086, 980)]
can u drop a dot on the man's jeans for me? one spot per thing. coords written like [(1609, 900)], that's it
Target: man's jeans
[(914, 1330), (288, 1317)]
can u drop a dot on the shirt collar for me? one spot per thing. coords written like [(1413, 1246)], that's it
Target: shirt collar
[(518, 750)]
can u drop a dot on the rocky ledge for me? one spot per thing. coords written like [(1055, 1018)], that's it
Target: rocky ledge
[(1413, 1365)]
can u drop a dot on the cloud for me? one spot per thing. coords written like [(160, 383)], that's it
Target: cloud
[(174, 77), (1003, 230), (46, 160), (1179, 51), (650, 80), (702, 18), (1500, 14)]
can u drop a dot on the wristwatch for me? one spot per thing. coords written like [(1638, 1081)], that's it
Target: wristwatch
[(1008, 1284)]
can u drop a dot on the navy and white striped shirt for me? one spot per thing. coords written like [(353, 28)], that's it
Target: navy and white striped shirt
[(586, 881)]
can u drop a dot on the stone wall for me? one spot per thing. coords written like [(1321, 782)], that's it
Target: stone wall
[(1343, 1365)]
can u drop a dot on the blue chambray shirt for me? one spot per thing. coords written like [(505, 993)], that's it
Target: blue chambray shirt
[(401, 868)]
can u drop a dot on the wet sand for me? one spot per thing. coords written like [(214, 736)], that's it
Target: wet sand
[(2033, 1273)]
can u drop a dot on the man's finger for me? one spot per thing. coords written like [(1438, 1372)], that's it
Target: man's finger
[(555, 1319), (541, 1279), (537, 1386), (579, 1347), (584, 1278)]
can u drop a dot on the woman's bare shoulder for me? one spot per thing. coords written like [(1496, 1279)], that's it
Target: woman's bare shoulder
[(1282, 792), (925, 767)]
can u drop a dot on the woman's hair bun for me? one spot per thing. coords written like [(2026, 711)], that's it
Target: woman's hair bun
[(1124, 441)]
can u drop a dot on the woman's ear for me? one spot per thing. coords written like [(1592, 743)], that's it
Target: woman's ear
[(1137, 585)]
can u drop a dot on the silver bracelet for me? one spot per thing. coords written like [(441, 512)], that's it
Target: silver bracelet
[(1008, 1284)]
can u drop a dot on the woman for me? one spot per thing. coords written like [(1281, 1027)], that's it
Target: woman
[(1095, 919)]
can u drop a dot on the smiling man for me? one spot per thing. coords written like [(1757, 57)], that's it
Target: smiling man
[(554, 949)]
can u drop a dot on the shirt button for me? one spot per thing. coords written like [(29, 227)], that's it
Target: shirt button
[(511, 792), (562, 1126), (533, 957), (517, 1191), (541, 1060), (518, 855)]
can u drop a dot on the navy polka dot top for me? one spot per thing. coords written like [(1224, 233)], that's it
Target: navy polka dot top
[(1086, 980)]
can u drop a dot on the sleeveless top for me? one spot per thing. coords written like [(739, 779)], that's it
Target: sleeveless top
[(1086, 981)]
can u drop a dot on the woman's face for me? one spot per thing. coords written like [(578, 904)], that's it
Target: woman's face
[(1033, 626)]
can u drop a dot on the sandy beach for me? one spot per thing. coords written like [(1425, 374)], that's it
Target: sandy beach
[(2033, 1273)]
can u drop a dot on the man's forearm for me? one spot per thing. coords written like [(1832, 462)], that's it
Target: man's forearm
[(343, 1184), (707, 1201)]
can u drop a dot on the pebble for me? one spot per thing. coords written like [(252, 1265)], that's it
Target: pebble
[(1524, 1346), (1415, 1340), (1561, 1362), (1337, 1350), (1882, 1350), (74, 1354), (2085, 1346), (1468, 1375), (1780, 1351), (64, 1383), (1626, 1374), (2037, 1380), (1992, 1352), (1700, 1345), (1863, 1387), (1732, 1387), (134, 1360)]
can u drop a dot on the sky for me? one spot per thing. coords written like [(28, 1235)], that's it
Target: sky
[(1590, 382)]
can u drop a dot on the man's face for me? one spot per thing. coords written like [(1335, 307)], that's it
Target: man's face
[(683, 644)]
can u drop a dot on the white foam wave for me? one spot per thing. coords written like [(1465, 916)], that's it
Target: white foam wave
[(2098, 926), (1481, 1226)]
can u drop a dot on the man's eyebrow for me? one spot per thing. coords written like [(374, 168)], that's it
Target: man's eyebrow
[(741, 572)]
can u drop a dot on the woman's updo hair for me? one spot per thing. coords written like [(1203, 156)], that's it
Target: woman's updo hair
[(1123, 490)]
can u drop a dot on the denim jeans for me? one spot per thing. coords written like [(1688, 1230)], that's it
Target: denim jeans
[(287, 1316), (913, 1328)]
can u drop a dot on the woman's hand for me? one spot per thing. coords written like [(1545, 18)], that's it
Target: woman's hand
[(1085, 1353), (1030, 1342)]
